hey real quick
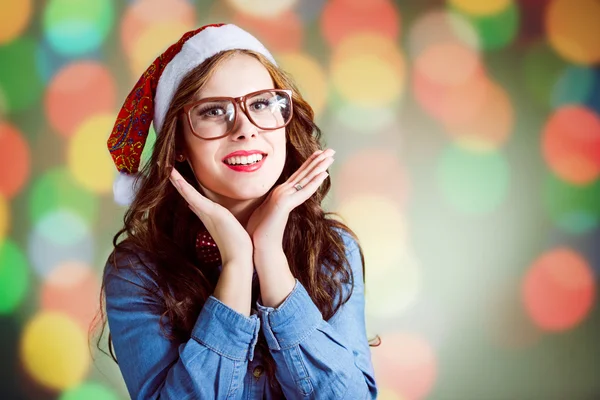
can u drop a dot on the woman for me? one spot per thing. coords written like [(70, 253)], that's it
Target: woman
[(231, 281)]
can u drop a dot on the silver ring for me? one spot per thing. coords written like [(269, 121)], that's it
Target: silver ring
[(297, 186)]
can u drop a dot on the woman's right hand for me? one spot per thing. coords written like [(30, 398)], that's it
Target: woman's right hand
[(234, 243)]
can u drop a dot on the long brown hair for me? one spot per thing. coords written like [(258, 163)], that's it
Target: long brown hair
[(159, 221)]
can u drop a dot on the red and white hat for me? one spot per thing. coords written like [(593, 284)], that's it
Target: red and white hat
[(151, 96)]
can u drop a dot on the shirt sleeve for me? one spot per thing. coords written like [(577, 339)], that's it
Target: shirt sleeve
[(317, 358), (211, 364)]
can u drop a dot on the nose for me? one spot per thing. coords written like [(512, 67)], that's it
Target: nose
[(242, 127)]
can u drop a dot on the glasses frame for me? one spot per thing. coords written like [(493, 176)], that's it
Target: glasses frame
[(241, 101)]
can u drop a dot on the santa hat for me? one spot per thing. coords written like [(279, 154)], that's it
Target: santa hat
[(151, 96)]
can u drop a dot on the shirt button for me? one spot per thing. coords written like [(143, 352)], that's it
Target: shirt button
[(258, 371)]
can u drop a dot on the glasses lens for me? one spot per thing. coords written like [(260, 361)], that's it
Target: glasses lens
[(270, 110), (213, 118)]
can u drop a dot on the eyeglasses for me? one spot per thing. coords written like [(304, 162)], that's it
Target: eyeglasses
[(215, 117)]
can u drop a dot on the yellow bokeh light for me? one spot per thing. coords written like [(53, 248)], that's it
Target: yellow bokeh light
[(262, 8), (393, 276), (54, 351), (573, 29), (368, 70), (14, 17), (481, 8), (152, 42), (88, 157), (309, 76), (4, 217), (389, 394)]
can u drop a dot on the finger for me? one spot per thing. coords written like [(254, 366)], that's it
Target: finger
[(309, 189), (310, 165), (187, 191), (305, 164), (316, 170)]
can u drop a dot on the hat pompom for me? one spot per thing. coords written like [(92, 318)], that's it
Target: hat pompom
[(124, 188)]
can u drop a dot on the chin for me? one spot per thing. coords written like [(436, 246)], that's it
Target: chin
[(250, 193)]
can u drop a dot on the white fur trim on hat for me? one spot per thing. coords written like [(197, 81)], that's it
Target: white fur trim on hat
[(194, 51), (123, 189)]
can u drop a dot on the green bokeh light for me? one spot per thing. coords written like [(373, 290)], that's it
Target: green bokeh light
[(498, 30), (14, 277), (89, 391), (76, 27), (20, 84), (473, 183), (57, 189), (576, 209)]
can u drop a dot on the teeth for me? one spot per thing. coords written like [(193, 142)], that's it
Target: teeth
[(244, 160)]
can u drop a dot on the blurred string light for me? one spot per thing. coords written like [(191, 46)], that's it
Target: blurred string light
[(577, 85), (88, 160), (262, 8), (405, 365), (89, 391), (15, 160), (54, 350), (14, 19), (559, 290), (496, 22), (76, 28), (343, 18), (58, 236), (68, 100), (573, 30), (74, 289), (15, 283), (574, 209), (20, 83), (571, 144), (368, 75), (148, 27)]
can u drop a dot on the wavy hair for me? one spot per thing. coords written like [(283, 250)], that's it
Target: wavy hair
[(160, 222)]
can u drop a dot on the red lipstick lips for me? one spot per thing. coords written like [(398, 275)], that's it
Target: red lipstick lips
[(245, 168)]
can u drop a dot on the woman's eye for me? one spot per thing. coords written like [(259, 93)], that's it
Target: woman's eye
[(260, 105), (212, 112)]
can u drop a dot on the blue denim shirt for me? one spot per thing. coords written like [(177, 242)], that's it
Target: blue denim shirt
[(316, 359)]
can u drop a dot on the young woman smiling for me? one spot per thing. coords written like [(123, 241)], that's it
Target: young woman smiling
[(231, 281)]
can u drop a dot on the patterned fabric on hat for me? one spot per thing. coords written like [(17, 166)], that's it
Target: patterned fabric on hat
[(131, 128)]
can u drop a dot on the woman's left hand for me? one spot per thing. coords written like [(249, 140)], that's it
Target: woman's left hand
[(267, 223)]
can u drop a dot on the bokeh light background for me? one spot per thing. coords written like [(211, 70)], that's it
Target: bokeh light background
[(468, 162)]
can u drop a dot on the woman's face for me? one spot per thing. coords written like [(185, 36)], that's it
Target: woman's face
[(236, 76)]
